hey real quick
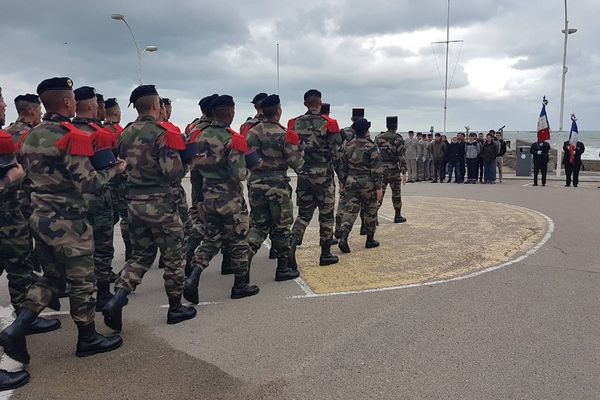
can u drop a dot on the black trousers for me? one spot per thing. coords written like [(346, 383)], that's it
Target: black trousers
[(480, 163), (572, 171), (439, 169), (537, 168)]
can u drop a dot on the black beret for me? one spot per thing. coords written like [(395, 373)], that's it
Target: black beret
[(312, 93), (391, 121), (84, 93), (222, 101), (358, 112), (55, 84), (325, 108), (161, 101), (166, 101), (270, 101), (206, 102), (28, 98), (361, 125), (257, 100), (142, 91), (99, 98), (112, 102)]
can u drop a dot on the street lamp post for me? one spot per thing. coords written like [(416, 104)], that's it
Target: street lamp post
[(138, 52), (565, 69)]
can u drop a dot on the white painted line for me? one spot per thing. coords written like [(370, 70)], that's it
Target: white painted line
[(527, 184), (531, 252), (308, 292)]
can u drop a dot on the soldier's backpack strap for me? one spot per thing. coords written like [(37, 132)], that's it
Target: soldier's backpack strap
[(102, 138), (7, 146), (174, 137), (75, 142), (238, 142)]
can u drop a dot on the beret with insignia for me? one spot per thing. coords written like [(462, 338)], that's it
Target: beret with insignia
[(55, 84)]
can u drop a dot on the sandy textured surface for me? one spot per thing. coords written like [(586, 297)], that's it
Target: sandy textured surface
[(443, 239)]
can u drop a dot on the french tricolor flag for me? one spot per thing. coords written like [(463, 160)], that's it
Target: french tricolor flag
[(573, 137), (543, 127)]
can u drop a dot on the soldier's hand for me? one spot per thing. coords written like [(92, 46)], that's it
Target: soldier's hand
[(121, 166), (201, 212), (14, 175), (379, 195)]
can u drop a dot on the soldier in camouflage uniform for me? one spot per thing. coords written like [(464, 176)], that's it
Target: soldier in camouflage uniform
[(101, 111), (252, 122), (55, 156), (322, 142), (347, 134), (100, 208), (151, 150), (391, 146), (271, 205), (362, 167), (223, 166), (117, 186), (15, 237)]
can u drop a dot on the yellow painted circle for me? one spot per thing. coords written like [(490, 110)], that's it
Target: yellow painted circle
[(443, 239)]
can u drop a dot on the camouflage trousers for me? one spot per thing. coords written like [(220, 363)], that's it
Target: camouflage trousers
[(226, 219), (272, 212), (154, 224), (101, 217), (361, 194), (15, 247), (393, 177), (180, 198), (119, 201), (66, 249), (312, 192)]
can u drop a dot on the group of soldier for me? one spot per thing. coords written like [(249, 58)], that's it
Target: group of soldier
[(69, 176)]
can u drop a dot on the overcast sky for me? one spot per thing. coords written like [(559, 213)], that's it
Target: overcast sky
[(374, 54)]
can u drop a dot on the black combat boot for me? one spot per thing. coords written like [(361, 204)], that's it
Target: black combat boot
[(226, 268), (13, 337), (178, 313), (103, 296), (54, 302), (13, 380), (242, 289), (272, 253), (292, 261), (398, 218), (90, 342), (343, 244), (284, 272), (190, 287), (371, 243), (326, 257), (363, 229), (113, 310), (41, 325)]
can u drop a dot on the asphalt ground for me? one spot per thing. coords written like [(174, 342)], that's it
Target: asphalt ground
[(528, 330)]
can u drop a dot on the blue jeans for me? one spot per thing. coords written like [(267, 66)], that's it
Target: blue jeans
[(489, 170)]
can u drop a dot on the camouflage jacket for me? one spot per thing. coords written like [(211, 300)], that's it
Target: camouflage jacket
[(153, 160), (17, 129), (8, 194), (391, 146), (321, 142), (362, 159), (223, 151), (347, 134), (55, 158), (278, 148), (196, 178), (249, 124)]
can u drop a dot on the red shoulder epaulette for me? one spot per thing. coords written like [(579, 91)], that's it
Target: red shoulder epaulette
[(7, 146), (102, 138), (75, 142), (174, 137), (238, 142), (292, 137), (331, 125), (291, 124)]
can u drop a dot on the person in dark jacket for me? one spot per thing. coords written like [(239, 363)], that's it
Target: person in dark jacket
[(541, 157), (501, 152), (456, 155), (481, 141), (489, 151), (446, 164), (572, 166), (438, 152)]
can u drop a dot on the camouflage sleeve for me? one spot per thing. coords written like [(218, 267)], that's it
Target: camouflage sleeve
[(169, 161), (401, 149), (237, 163), (85, 178), (293, 154), (343, 164), (335, 144), (376, 168)]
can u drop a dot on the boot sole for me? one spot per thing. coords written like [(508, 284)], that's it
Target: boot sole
[(173, 321), (241, 296), (106, 350), (286, 278), (372, 247), (16, 385)]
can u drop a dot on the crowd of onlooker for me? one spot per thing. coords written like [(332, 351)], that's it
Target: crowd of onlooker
[(463, 159)]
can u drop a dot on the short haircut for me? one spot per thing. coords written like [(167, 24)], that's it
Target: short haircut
[(270, 112), (438, 135), (220, 112), (312, 101), (472, 134), (82, 104), (54, 99), (144, 104), (413, 132), (24, 106)]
